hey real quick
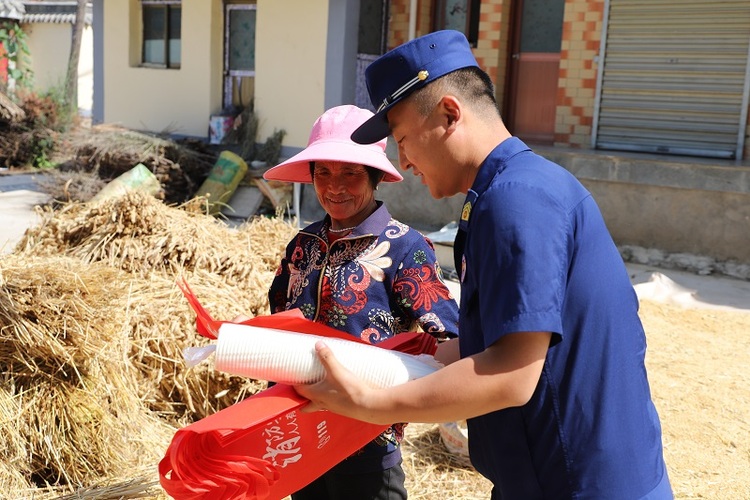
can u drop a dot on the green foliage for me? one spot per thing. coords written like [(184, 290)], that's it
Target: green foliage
[(13, 39), (59, 116), (32, 141)]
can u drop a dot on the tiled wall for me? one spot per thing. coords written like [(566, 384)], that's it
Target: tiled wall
[(492, 46), (399, 21), (582, 32), (491, 50)]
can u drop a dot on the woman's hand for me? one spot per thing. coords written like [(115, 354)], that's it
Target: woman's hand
[(241, 318), (448, 352)]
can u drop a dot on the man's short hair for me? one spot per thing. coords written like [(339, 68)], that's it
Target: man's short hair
[(472, 85)]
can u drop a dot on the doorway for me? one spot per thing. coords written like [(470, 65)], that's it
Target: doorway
[(373, 35), (536, 37), (239, 56)]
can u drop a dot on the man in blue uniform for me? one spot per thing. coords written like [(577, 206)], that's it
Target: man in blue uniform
[(549, 366)]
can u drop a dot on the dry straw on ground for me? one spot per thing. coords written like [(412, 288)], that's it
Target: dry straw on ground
[(107, 151), (698, 367), (697, 362), (92, 328)]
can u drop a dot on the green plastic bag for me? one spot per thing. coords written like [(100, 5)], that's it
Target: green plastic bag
[(138, 178)]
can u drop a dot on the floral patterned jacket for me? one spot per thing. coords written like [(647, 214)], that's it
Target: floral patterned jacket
[(380, 280)]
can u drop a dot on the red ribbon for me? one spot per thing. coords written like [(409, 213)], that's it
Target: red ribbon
[(264, 447)]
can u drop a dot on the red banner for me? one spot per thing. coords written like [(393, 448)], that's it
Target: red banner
[(263, 447)]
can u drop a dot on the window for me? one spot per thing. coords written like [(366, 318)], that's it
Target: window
[(240, 48), (162, 28), (460, 15), (239, 54)]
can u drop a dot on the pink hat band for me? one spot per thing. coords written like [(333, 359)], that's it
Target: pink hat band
[(330, 140)]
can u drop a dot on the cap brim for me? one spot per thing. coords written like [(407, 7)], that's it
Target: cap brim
[(297, 168), (374, 129)]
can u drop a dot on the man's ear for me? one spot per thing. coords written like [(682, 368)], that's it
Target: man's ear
[(450, 108)]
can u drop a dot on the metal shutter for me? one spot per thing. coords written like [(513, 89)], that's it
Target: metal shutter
[(675, 77)]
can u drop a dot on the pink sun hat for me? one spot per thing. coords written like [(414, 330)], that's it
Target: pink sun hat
[(330, 140)]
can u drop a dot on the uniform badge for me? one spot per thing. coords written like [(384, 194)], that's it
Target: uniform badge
[(466, 211)]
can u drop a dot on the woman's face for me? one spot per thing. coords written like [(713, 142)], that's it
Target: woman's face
[(344, 191)]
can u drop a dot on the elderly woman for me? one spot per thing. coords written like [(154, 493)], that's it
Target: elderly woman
[(360, 271)]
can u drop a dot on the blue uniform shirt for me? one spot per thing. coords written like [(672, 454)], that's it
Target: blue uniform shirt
[(534, 254)]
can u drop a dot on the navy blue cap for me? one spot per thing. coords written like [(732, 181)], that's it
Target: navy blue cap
[(410, 66)]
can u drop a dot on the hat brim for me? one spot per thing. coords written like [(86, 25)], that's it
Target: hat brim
[(374, 129), (297, 168)]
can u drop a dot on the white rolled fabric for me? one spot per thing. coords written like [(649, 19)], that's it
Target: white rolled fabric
[(289, 357)]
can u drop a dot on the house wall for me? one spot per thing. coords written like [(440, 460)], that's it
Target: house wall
[(399, 15), (193, 92), (492, 47), (49, 45), (305, 63), (583, 26), (583, 23), (86, 72), (673, 204), (290, 67), (491, 51)]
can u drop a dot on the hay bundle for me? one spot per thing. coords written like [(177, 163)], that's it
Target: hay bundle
[(13, 445), (141, 235), (109, 151), (161, 326), (48, 323), (92, 329), (71, 400)]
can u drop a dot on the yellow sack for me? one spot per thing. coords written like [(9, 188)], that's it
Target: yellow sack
[(223, 180)]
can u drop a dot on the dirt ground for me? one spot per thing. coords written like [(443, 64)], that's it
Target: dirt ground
[(700, 381), (698, 367)]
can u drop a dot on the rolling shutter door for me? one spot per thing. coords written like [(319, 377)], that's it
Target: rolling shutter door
[(674, 78)]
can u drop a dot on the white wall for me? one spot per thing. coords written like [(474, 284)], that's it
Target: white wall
[(178, 101), (49, 44), (290, 67)]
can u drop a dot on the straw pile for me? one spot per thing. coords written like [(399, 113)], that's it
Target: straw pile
[(109, 151), (92, 328)]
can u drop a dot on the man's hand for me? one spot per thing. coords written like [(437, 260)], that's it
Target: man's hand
[(340, 391), (502, 376)]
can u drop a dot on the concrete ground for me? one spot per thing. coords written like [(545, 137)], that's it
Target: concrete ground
[(670, 286), (20, 193)]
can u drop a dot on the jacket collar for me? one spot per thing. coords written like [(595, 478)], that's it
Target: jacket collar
[(372, 225)]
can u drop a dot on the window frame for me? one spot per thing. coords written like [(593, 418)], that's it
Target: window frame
[(170, 6), (471, 30), (227, 24)]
